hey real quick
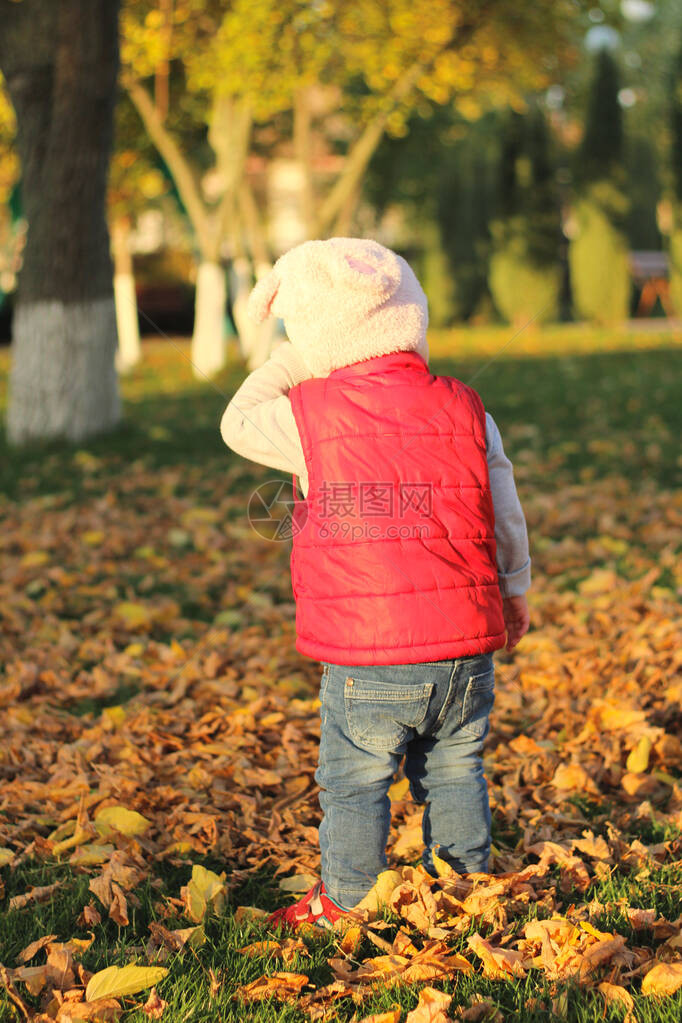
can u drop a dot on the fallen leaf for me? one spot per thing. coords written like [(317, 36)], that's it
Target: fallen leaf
[(638, 758), (249, 914), (392, 1016), (498, 963), (103, 1010), (117, 981), (154, 1006), (120, 818), (34, 947), (663, 979), (381, 892), (432, 1007), (206, 890), (286, 949), (282, 986), (299, 884)]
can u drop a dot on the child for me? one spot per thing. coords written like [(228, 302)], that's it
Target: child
[(409, 560)]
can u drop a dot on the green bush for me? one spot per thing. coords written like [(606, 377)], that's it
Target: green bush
[(523, 287), (676, 262), (598, 255), (436, 276)]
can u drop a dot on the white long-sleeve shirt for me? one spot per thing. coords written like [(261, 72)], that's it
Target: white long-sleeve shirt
[(259, 424)]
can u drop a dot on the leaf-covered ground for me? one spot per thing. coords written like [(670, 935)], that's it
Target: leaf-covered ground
[(159, 729)]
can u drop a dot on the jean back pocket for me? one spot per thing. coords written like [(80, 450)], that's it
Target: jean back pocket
[(381, 715), (479, 698)]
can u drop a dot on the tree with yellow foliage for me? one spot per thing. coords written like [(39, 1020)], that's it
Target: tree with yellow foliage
[(314, 80)]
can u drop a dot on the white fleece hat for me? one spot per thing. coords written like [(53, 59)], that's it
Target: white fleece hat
[(342, 301)]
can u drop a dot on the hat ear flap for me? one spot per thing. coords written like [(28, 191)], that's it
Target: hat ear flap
[(260, 300)]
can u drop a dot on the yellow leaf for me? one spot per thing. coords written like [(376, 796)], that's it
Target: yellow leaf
[(205, 889), (88, 855), (384, 886), (116, 715), (120, 818), (601, 581), (35, 558), (663, 979), (116, 981), (134, 649), (135, 616), (80, 837), (180, 847), (585, 925), (92, 537), (6, 856), (638, 758), (352, 939), (444, 869), (399, 790), (392, 1016), (298, 884), (572, 776)]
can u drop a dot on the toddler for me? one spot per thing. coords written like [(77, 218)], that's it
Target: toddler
[(409, 557)]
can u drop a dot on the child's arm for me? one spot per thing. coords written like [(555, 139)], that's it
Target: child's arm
[(513, 561), (259, 423)]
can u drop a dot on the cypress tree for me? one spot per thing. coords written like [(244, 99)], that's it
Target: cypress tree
[(525, 275), (676, 156), (598, 254)]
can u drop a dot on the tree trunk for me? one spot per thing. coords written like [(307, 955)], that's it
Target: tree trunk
[(129, 352), (240, 288), (209, 348), (60, 63)]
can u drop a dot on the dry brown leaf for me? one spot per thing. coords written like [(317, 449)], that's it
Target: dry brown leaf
[(481, 1009), (104, 1010), (155, 1005), (282, 986), (498, 963), (432, 1007), (39, 894), (615, 993), (35, 946), (663, 979), (285, 948), (392, 1016)]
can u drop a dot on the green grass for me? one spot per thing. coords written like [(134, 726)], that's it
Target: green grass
[(581, 414), (573, 406), (186, 988)]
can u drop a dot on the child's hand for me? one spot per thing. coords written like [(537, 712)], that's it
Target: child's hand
[(516, 619)]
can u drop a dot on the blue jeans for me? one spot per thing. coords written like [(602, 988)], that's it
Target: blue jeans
[(437, 714)]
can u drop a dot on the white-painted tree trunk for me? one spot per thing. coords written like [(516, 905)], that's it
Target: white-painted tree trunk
[(240, 285), (266, 333), (256, 340), (62, 381), (209, 343), (266, 336), (128, 352)]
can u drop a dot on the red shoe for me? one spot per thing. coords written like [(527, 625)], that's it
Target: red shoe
[(315, 908)]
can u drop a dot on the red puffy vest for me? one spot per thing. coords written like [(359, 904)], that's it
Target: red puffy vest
[(393, 557)]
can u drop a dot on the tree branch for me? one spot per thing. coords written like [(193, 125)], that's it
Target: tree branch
[(178, 164), (255, 232), (364, 148)]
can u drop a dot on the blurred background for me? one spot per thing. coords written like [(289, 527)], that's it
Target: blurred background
[(526, 158)]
